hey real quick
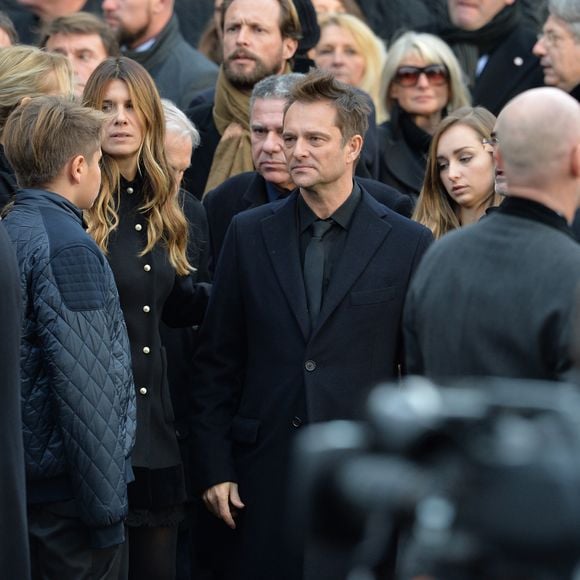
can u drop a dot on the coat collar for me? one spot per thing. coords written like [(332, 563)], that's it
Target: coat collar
[(367, 232), (255, 193), (400, 160)]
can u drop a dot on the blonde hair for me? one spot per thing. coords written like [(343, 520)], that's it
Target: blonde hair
[(435, 208), (27, 71), (371, 47), (165, 220), (432, 50)]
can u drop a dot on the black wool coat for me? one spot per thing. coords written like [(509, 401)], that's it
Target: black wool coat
[(150, 291), (262, 373)]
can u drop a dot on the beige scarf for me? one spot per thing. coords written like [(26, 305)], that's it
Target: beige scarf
[(231, 115)]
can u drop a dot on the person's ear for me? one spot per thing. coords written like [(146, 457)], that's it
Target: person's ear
[(498, 158), (575, 161), (354, 146), (289, 48), (77, 168)]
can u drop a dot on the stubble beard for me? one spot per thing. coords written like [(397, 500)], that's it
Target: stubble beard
[(245, 81), (131, 38)]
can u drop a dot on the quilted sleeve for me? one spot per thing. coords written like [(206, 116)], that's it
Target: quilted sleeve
[(75, 330)]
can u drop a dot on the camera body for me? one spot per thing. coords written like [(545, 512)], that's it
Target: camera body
[(480, 478)]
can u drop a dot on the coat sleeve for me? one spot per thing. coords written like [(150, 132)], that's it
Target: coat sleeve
[(187, 303), (69, 298), (219, 368), (412, 359)]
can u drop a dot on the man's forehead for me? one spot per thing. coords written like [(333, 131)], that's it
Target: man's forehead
[(252, 11), (88, 38), (267, 108)]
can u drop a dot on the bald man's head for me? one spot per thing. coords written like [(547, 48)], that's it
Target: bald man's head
[(537, 132)]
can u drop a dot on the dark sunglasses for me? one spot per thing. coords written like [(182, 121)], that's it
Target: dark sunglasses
[(408, 76)]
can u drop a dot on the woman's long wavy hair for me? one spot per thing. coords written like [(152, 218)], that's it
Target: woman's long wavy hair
[(165, 220), (435, 208)]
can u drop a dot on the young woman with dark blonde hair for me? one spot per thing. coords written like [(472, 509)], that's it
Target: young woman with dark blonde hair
[(459, 182), (138, 222)]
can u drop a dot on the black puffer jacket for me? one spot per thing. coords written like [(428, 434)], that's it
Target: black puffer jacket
[(78, 399)]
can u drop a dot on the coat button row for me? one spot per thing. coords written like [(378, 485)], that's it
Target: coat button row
[(296, 422), (310, 365), (143, 390), (146, 350)]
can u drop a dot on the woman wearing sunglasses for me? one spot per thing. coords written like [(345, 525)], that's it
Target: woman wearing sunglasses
[(460, 179), (422, 82)]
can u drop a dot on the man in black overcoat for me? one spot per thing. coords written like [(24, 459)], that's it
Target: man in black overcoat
[(279, 347), (500, 298)]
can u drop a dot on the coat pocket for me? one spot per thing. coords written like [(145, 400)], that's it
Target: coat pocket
[(245, 430), (372, 296)]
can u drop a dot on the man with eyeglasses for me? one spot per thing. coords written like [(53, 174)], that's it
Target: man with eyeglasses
[(494, 46), (558, 47), (499, 298)]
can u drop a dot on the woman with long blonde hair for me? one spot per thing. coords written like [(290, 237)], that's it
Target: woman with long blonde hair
[(139, 224), (26, 72)]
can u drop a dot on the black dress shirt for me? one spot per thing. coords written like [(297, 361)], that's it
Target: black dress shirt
[(335, 238)]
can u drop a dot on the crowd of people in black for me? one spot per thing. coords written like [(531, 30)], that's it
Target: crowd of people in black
[(223, 221)]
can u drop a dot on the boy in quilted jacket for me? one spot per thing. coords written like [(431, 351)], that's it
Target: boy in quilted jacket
[(77, 393)]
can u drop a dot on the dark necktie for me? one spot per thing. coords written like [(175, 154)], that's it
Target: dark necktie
[(314, 269)]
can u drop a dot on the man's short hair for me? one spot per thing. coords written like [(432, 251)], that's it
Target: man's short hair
[(275, 87), (569, 12), (7, 26), (43, 134), (352, 108), (289, 20), (177, 122), (81, 23)]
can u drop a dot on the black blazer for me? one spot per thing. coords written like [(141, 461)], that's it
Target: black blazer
[(248, 190), (262, 373)]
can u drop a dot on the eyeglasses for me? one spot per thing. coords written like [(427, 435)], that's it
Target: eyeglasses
[(550, 38), (492, 142), (408, 76)]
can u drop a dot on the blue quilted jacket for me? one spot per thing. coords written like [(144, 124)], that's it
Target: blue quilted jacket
[(78, 398)]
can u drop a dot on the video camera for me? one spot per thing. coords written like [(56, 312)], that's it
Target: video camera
[(480, 479)]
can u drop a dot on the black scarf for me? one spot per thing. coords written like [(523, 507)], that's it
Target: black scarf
[(469, 45), (415, 137)]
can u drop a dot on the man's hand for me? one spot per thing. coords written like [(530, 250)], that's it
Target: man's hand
[(223, 501)]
